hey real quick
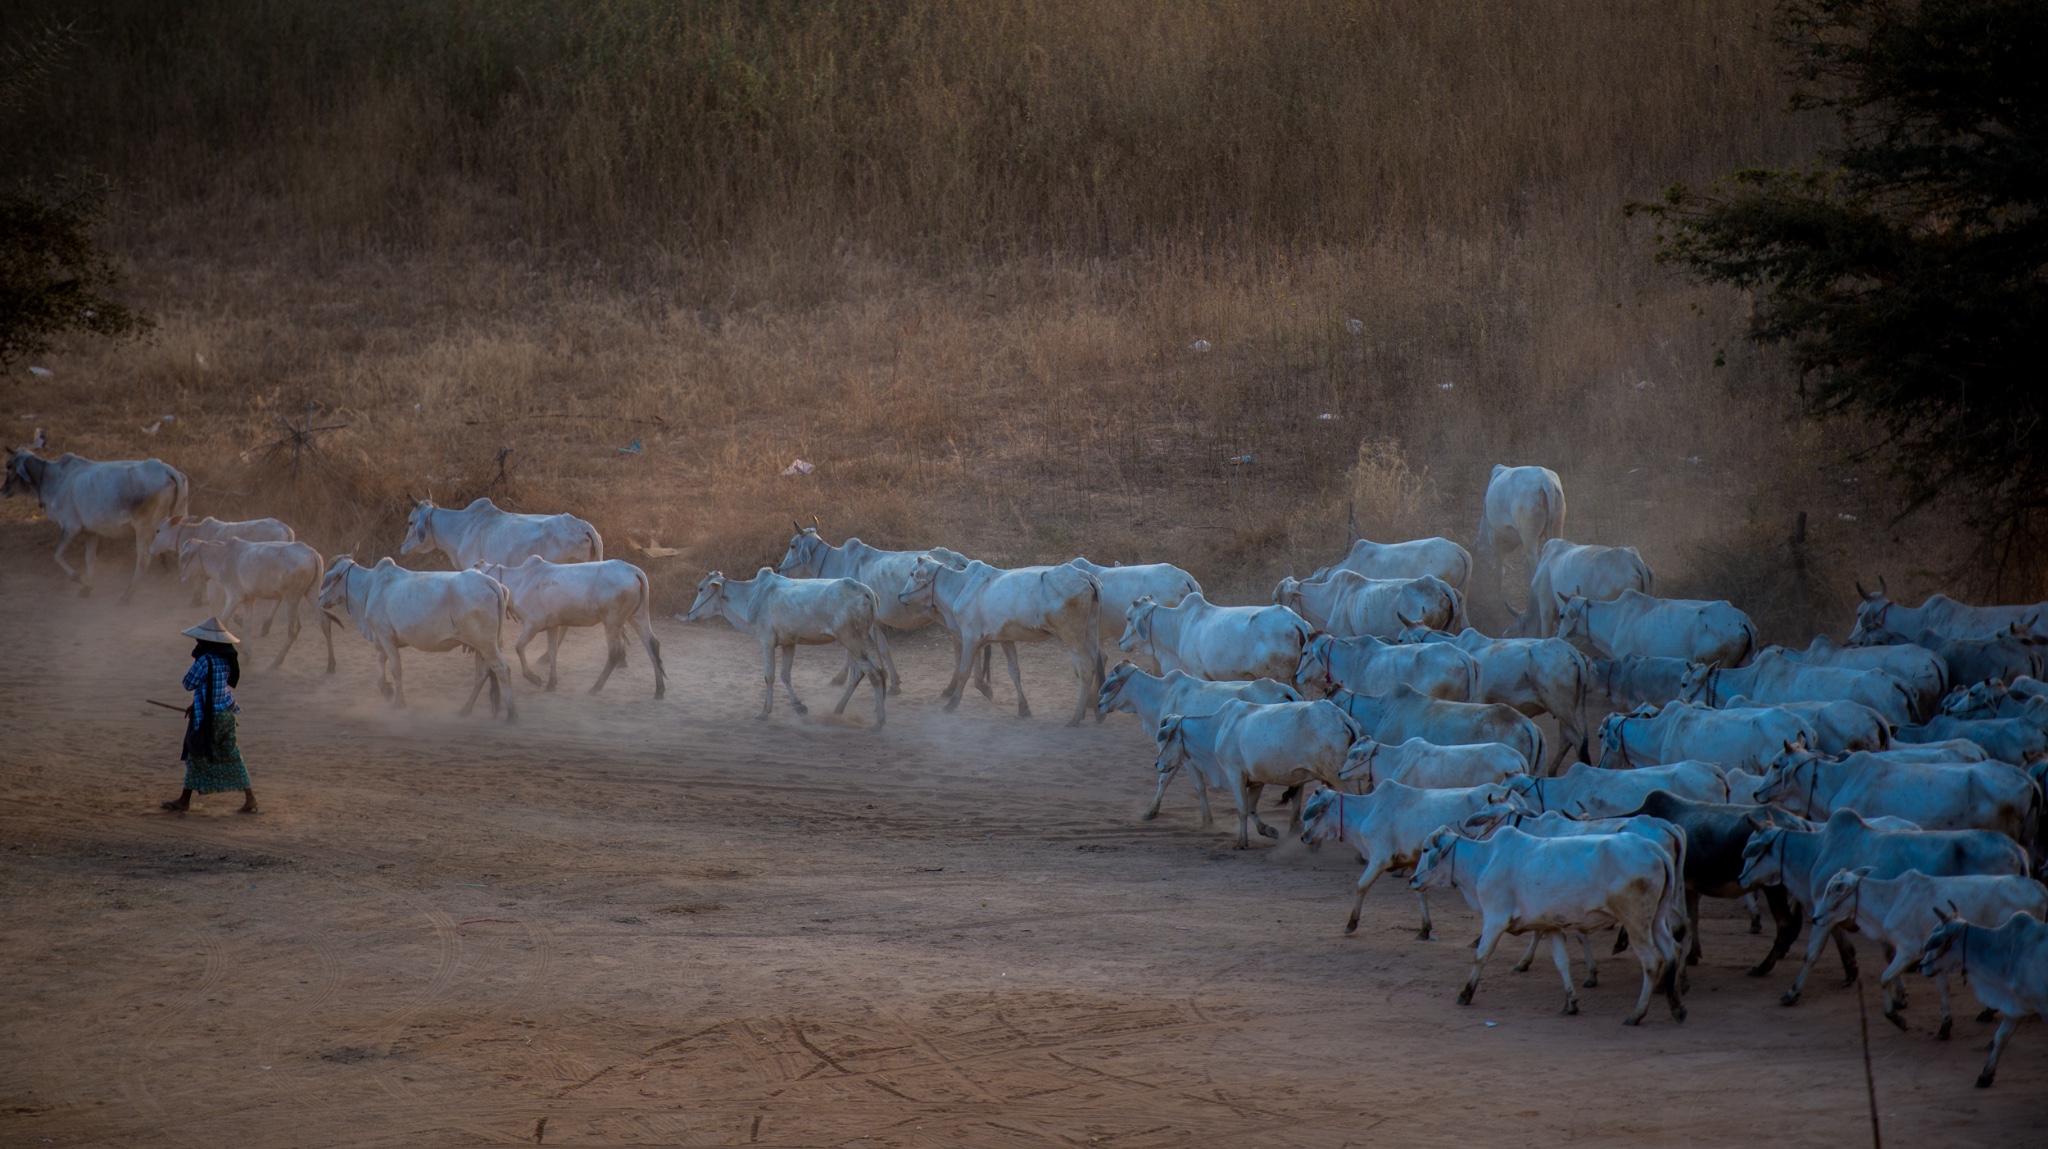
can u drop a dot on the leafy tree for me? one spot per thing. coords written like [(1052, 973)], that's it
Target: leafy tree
[(53, 275), (1906, 272)]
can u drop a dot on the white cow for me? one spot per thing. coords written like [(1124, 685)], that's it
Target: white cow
[(1219, 643), (1899, 914), (427, 610), (1680, 731), (1521, 884), (286, 574), (1401, 714), (482, 533), (982, 604), (1347, 604), (1933, 795), (1635, 623), (785, 613), (1123, 586), (1524, 508), (552, 597), (884, 572), (1243, 747), (1368, 665), (99, 500), (1582, 570), (1590, 792), (1439, 557), (1427, 766), (1152, 697), (172, 533), (1842, 727), (1922, 670), (1773, 679), (2007, 969), (1533, 675), (1389, 828), (1877, 615)]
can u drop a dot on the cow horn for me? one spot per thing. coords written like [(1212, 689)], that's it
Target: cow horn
[(1882, 588), (799, 526), (815, 524), (1860, 592)]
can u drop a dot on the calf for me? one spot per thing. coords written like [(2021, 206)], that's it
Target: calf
[(982, 604), (1732, 739), (785, 613), (1219, 643), (285, 574), (1521, 884), (172, 534), (1715, 835), (550, 597), (1243, 747), (1933, 795), (1428, 766), (1369, 665), (2007, 969), (1348, 604), (1899, 914), (1802, 861), (1402, 713), (1389, 828), (1590, 792)]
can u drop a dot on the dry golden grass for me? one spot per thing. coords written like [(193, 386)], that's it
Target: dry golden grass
[(955, 255)]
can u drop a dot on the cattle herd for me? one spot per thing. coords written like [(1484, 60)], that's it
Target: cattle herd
[(1891, 787)]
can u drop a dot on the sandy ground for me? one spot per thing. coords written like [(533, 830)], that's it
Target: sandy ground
[(644, 922)]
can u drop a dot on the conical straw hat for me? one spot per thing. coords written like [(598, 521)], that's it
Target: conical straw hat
[(211, 631)]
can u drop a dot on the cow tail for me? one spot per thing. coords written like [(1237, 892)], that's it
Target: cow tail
[(1581, 686), (596, 544), (643, 615), (1755, 642), (181, 502), (1095, 633)]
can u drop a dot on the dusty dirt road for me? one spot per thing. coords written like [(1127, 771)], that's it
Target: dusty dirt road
[(624, 921)]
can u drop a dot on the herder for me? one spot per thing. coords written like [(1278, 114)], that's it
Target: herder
[(213, 763)]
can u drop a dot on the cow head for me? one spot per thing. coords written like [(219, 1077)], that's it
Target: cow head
[(1763, 859), (1358, 764), (1792, 754), (1871, 615), (334, 587), (1574, 623), (1838, 901), (189, 555), (1312, 673), (1438, 864), (805, 556), (1173, 746), (921, 588), (419, 528), (1979, 700), (1110, 698), (1692, 685), (1138, 624), (1518, 791), (710, 600), (170, 534), (1779, 786), (1943, 952), (24, 473), (1612, 738), (1287, 592), (1321, 816)]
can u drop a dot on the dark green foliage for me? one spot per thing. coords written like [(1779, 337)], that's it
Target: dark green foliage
[(1906, 273), (53, 274)]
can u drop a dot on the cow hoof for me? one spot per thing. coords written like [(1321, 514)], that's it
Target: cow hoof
[(1351, 927), (1148, 815), (1758, 971), (1423, 936), (800, 708), (1590, 982), (550, 688), (1789, 997), (1947, 1023), (1987, 1015), (1756, 925), (1631, 1021), (1268, 832), (1465, 997), (1692, 959), (1519, 967), (1244, 846), (85, 592), (1678, 1013), (1984, 1081), (1895, 1019), (1571, 1008), (535, 679)]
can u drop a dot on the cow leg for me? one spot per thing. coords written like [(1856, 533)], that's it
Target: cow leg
[(397, 670), (857, 670), (1947, 1018), (1374, 867), (1848, 954), (1245, 815), (92, 550), (291, 633), (1561, 957), (1159, 795), (326, 632), (1787, 922), (1428, 928), (1756, 914), (198, 591), (789, 664), (1592, 967), (501, 676), (1490, 931), (888, 655), (1084, 669), (1692, 926), (961, 670), (1814, 945), (653, 646), (482, 675), (2006, 1024), (767, 679), (981, 679), (1253, 792), (554, 656), (142, 537), (1202, 797), (614, 652), (1017, 680), (64, 544), (526, 635), (881, 687)]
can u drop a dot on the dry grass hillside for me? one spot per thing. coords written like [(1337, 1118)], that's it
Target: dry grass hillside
[(959, 256)]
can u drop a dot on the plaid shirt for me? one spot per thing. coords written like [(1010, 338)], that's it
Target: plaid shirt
[(209, 676)]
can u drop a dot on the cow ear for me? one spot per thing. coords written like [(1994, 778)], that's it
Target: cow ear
[(1946, 915), (1863, 872)]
